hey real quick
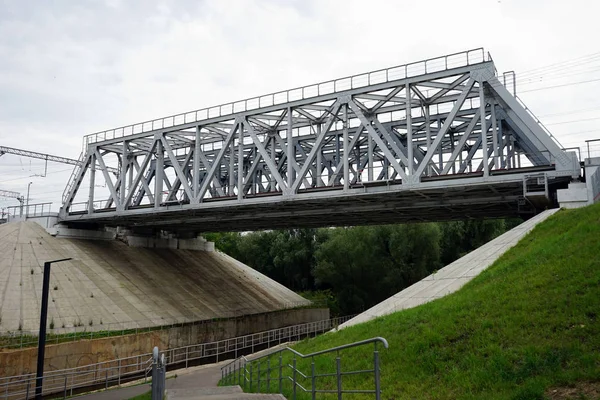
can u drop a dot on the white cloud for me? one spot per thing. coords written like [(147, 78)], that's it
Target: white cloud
[(70, 68)]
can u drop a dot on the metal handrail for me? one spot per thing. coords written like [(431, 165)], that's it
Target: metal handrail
[(442, 63), (74, 173), (587, 142), (114, 372), (46, 208), (241, 371), (536, 119)]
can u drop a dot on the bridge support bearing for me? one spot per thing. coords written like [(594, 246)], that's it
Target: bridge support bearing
[(71, 233), (170, 242), (581, 194)]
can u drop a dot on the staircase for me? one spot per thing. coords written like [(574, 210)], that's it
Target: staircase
[(73, 178), (218, 393)]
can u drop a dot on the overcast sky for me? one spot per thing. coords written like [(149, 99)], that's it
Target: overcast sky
[(69, 68)]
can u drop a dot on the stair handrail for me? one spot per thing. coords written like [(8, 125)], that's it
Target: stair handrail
[(237, 372), (71, 180), (537, 120)]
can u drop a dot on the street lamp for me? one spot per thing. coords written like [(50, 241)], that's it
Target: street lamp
[(42, 335)]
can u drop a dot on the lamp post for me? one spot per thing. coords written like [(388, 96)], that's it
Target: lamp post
[(27, 204), (42, 335)]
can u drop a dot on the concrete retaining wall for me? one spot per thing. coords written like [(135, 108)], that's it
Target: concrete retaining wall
[(85, 352)]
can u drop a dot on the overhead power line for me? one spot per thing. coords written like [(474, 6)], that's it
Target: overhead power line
[(578, 111), (10, 194), (562, 65), (46, 157), (573, 121), (558, 86)]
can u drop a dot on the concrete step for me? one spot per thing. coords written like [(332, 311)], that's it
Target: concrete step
[(219, 393)]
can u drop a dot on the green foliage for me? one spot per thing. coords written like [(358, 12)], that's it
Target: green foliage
[(365, 265), (144, 396), (460, 237), (227, 242), (324, 296), (527, 324), (359, 266)]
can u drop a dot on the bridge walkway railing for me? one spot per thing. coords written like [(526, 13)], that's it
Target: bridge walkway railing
[(443, 63)]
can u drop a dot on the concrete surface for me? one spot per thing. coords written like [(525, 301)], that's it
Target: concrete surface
[(575, 196), (453, 276), (218, 393), (109, 285), (205, 376), (592, 174), (193, 383)]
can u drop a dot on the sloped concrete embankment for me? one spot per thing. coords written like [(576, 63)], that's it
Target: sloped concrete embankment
[(453, 276), (110, 285)]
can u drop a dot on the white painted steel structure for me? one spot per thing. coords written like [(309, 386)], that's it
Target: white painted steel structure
[(437, 139)]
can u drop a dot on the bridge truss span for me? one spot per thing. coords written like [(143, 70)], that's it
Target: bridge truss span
[(447, 141)]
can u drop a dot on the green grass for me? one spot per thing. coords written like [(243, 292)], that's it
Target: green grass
[(527, 324), (145, 396)]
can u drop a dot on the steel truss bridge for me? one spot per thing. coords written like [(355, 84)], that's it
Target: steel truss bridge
[(432, 140)]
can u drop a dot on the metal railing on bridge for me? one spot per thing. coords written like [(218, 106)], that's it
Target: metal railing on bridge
[(593, 148), (29, 210), (423, 67)]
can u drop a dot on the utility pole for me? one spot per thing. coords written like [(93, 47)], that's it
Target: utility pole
[(27, 204), (14, 195)]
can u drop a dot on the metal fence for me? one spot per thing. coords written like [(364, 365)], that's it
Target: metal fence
[(248, 373), (21, 339), (67, 381), (30, 210), (592, 148)]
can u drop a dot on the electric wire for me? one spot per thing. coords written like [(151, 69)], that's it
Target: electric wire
[(577, 111), (562, 65), (53, 172), (574, 121), (559, 86)]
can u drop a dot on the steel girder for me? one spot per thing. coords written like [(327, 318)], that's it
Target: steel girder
[(365, 153)]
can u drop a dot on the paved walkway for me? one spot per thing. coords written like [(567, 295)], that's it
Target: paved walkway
[(203, 376)]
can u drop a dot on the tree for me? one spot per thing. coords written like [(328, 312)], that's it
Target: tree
[(293, 255), (461, 237), (227, 242), (365, 265), (359, 266)]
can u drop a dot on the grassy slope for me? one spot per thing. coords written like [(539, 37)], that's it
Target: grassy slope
[(528, 323)]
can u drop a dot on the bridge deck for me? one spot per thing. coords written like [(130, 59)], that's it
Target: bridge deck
[(366, 203)]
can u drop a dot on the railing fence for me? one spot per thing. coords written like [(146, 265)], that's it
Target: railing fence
[(249, 374), (115, 372)]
